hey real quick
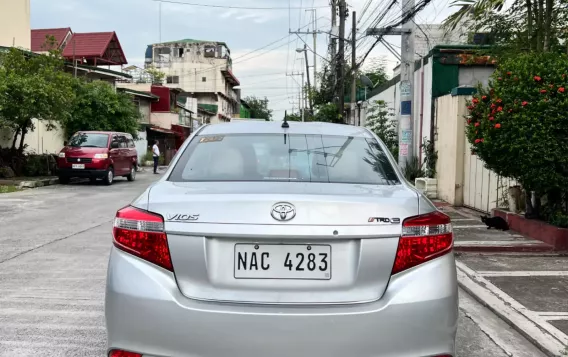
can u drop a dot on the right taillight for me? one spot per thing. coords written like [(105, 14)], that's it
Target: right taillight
[(142, 234), (424, 238)]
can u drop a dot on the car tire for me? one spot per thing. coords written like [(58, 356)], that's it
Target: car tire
[(64, 180), (109, 176), (132, 175)]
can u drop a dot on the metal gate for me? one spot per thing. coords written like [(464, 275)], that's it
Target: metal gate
[(483, 189)]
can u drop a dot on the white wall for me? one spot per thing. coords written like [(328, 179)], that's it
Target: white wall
[(471, 76), (164, 120), (392, 97), (39, 141), (450, 144), (141, 87), (141, 145), (145, 107), (15, 23)]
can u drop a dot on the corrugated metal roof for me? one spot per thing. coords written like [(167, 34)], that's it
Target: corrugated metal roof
[(91, 45), (88, 44), (39, 36)]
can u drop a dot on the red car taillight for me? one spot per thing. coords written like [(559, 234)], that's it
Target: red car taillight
[(120, 353), (141, 233), (424, 238)]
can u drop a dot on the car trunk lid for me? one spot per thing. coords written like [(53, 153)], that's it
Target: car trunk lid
[(222, 236)]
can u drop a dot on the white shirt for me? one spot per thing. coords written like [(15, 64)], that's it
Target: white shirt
[(156, 150)]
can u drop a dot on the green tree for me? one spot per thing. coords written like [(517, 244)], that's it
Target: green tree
[(156, 75), (325, 99), (536, 25), (294, 117), (99, 107), (376, 72), (33, 87), (259, 108), (380, 121), (518, 125)]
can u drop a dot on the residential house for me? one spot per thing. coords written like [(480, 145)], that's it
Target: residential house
[(245, 111), (203, 69), (166, 116), (85, 53)]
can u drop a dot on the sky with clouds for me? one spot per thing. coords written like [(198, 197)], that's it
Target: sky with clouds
[(261, 73)]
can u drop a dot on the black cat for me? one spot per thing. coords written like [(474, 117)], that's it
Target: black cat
[(495, 222)]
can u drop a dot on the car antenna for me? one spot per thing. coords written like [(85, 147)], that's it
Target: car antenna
[(285, 124)]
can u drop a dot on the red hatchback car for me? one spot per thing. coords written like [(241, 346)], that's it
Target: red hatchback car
[(98, 154)]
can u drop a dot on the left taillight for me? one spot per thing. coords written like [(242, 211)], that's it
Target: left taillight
[(424, 238), (120, 353), (142, 234)]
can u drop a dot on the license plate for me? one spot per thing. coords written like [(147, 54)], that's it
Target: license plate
[(282, 261), (78, 166)]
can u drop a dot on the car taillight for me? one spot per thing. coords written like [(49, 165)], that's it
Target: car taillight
[(141, 233), (424, 238), (120, 353)]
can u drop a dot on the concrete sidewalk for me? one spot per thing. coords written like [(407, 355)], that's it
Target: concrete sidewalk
[(528, 291), (471, 235), (518, 278)]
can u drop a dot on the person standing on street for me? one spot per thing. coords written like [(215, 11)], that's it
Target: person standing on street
[(156, 155)]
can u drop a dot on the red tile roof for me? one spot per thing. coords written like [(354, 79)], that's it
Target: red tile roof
[(99, 47), (39, 37)]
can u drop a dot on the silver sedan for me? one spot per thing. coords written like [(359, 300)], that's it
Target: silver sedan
[(262, 240)]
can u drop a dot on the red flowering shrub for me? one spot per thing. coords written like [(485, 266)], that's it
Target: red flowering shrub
[(519, 128)]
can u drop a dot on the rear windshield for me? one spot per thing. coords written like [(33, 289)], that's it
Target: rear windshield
[(89, 140), (283, 157)]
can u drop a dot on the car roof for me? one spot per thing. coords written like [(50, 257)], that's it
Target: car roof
[(102, 132), (275, 127)]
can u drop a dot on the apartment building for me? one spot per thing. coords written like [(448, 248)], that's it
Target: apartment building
[(203, 69)]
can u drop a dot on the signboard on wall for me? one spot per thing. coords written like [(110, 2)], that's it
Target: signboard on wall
[(406, 136), (404, 150), (405, 89)]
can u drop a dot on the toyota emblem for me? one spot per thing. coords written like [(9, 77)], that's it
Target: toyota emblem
[(283, 211)]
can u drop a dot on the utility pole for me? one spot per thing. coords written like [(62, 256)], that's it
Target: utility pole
[(300, 94), (315, 50), (315, 35), (309, 97), (303, 96), (353, 69), (341, 59), (333, 42), (406, 125), (405, 120)]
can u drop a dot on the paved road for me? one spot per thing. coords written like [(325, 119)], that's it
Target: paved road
[(54, 243)]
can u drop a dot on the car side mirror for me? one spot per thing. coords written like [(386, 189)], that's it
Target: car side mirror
[(114, 145)]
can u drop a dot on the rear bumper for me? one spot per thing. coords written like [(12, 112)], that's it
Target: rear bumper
[(67, 172), (146, 313)]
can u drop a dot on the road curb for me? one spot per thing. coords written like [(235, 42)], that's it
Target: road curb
[(503, 248), (39, 183), (538, 331)]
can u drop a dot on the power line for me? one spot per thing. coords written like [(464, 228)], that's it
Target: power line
[(262, 75), (404, 19), (235, 7)]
